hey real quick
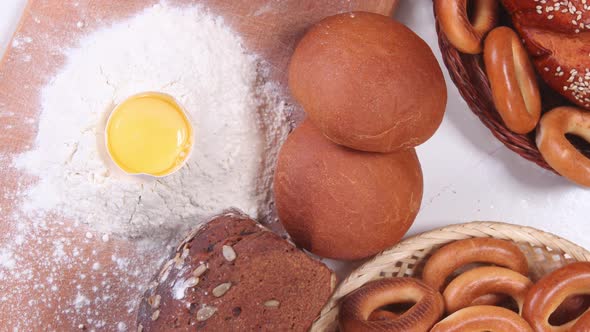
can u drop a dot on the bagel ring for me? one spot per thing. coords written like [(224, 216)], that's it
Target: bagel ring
[(475, 283), (512, 79), (570, 309), (457, 254), (559, 153), (483, 318), (583, 323), (383, 315), (465, 34), (358, 306), (549, 292)]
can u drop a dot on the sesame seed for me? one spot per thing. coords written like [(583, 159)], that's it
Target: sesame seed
[(155, 315), (221, 289), (228, 253), (272, 304), (200, 270), (205, 313)]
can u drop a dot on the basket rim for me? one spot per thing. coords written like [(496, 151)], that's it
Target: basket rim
[(468, 75), (500, 230)]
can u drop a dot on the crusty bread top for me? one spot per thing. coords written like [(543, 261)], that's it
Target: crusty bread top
[(344, 204), (557, 36), (269, 286), (368, 82)]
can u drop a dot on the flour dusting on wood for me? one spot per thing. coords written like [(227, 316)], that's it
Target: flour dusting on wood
[(88, 238)]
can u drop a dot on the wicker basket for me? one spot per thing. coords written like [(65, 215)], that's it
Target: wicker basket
[(468, 73), (544, 251)]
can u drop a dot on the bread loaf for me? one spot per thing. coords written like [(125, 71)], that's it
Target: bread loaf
[(368, 82), (345, 204), (234, 275)]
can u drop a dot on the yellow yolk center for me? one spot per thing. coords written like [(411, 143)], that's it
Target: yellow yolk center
[(149, 134)]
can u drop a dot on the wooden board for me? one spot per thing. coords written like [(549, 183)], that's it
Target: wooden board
[(269, 28)]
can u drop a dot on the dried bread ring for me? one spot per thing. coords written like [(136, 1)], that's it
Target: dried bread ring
[(513, 81), (583, 323), (557, 151), (457, 254), (465, 34), (383, 315), (483, 318), (358, 306), (551, 291), (475, 283), (572, 308)]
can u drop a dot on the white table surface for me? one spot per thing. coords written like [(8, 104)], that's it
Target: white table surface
[(468, 174)]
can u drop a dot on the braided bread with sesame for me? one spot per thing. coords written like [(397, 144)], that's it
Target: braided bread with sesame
[(556, 34)]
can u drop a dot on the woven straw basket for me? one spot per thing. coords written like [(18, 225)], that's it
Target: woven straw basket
[(545, 252), (468, 73)]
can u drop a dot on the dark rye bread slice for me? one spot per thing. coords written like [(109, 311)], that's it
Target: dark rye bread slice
[(254, 281)]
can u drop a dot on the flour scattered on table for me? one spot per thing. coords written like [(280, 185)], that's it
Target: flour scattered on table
[(240, 122)]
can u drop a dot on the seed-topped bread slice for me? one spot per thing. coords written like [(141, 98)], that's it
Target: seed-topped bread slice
[(232, 274)]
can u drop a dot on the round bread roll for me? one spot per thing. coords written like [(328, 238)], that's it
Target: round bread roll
[(341, 203), (368, 82)]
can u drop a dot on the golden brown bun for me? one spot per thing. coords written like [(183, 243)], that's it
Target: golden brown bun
[(368, 82), (341, 203)]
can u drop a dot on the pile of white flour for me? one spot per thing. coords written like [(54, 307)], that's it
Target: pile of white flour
[(67, 262), (239, 120)]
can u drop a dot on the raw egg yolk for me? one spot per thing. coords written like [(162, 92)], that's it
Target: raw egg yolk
[(149, 134)]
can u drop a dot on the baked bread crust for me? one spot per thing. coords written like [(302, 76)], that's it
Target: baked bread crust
[(254, 281), (344, 204), (557, 36), (368, 82)]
